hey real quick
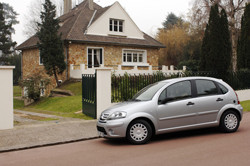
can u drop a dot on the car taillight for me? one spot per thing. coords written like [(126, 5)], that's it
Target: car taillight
[(237, 97)]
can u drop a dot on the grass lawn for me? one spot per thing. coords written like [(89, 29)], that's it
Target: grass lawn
[(18, 104), (74, 87), (61, 106), (17, 91), (245, 105)]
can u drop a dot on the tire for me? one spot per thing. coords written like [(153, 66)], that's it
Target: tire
[(139, 132), (229, 122)]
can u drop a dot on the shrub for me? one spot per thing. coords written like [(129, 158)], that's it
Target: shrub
[(34, 86)]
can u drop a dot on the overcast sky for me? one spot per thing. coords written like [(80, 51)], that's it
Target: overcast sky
[(147, 14)]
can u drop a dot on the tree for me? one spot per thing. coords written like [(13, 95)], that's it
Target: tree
[(33, 16), (243, 49), (171, 20), (226, 45), (233, 8), (175, 40), (182, 43), (15, 60), (216, 46), (7, 19), (50, 43)]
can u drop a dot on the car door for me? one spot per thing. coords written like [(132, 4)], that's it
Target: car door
[(175, 112), (208, 102)]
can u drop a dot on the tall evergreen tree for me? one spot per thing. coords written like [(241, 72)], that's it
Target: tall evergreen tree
[(204, 50), (50, 43), (216, 46), (225, 44), (6, 44), (243, 50)]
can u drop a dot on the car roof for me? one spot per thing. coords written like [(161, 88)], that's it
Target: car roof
[(189, 78)]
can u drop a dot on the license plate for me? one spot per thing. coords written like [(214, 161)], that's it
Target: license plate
[(101, 134)]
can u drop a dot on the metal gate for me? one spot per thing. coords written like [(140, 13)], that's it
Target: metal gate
[(89, 95)]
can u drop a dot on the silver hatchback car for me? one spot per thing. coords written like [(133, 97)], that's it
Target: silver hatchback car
[(173, 105)]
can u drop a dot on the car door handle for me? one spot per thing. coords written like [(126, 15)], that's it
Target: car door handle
[(190, 103), (219, 99)]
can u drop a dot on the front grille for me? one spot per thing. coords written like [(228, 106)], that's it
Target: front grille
[(101, 129)]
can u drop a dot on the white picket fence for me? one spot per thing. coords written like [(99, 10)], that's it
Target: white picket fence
[(76, 71)]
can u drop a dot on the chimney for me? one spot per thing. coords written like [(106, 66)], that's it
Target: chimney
[(91, 4), (67, 6)]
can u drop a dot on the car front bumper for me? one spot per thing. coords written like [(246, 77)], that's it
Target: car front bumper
[(112, 128)]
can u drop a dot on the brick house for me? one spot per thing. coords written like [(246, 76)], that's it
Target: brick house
[(96, 37)]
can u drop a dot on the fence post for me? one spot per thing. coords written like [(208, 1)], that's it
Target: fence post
[(82, 67), (103, 90), (6, 97)]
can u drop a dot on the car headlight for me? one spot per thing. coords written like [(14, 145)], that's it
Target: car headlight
[(117, 115)]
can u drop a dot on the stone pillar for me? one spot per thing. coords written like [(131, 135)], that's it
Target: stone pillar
[(6, 97), (172, 68), (103, 90), (82, 67)]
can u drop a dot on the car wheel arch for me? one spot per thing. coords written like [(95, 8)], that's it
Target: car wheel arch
[(231, 109), (147, 120)]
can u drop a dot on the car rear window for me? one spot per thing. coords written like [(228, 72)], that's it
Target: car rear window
[(223, 89), (206, 87)]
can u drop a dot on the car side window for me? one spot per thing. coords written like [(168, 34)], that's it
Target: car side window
[(223, 89), (177, 91), (206, 87)]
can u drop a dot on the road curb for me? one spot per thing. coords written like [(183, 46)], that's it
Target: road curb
[(49, 144)]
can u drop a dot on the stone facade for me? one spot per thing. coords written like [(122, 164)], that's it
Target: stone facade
[(31, 66), (76, 54)]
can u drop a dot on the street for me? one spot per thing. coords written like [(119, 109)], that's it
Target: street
[(195, 148)]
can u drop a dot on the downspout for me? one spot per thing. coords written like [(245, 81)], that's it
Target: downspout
[(67, 54), (21, 53)]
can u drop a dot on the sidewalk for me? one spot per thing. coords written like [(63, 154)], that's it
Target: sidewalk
[(35, 134)]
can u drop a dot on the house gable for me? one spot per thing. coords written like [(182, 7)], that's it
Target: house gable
[(101, 26)]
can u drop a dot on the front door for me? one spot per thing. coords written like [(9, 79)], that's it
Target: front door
[(95, 57)]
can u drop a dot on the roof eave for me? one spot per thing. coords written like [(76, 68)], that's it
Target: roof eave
[(116, 44), (25, 48)]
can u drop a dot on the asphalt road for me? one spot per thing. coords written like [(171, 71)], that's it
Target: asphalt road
[(194, 148)]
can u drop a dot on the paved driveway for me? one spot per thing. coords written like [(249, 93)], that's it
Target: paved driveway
[(195, 148)]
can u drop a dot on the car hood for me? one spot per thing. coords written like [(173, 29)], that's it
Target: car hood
[(125, 106)]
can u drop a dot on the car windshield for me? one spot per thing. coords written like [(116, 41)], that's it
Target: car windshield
[(148, 92)]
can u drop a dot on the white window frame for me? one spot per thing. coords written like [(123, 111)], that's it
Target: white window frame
[(40, 58), (112, 20), (100, 48), (125, 52)]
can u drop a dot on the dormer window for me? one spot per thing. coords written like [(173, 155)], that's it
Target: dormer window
[(116, 25)]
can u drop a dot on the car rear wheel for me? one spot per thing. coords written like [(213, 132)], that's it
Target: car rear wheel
[(230, 122), (139, 132)]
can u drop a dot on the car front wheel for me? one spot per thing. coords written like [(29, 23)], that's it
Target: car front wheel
[(230, 122), (139, 132)]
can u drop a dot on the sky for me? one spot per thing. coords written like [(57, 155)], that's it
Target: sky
[(147, 14)]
